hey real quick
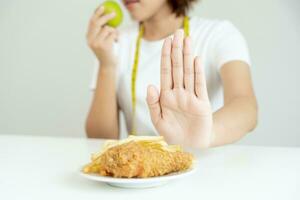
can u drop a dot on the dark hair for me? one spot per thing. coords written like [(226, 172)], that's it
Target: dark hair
[(180, 7)]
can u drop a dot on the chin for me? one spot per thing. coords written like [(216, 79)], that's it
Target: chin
[(138, 16)]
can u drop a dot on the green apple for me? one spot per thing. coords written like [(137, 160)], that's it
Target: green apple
[(112, 6)]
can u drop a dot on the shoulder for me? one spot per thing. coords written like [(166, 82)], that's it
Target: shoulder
[(222, 40), (208, 23), (211, 26)]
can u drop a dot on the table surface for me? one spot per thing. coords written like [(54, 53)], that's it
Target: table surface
[(48, 168)]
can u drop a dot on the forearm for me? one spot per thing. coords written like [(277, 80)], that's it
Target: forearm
[(102, 121), (234, 120)]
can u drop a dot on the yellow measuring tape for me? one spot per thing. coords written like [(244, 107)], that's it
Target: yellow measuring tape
[(186, 29)]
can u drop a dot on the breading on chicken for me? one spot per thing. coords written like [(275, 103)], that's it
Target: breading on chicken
[(139, 157)]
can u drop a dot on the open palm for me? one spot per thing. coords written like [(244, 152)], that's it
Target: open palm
[(181, 112)]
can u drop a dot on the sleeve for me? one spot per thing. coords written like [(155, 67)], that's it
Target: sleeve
[(228, 45), (97, 66)]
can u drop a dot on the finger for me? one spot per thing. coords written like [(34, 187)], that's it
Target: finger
[(98, 12), (188, 65), (103, 19), (117, 35), (111, 37), (200, 82), (177, 59), (166, 70), (106, 30), (96, 25), (153, 104)]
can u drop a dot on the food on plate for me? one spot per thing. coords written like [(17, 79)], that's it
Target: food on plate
[(139, 157)]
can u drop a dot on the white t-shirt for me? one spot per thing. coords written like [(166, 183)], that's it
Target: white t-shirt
[(216, 42)]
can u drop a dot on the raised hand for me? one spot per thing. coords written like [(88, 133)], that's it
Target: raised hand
[(181, 111), (100, 37)]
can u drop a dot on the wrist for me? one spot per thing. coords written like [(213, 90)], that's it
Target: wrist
[(212, 138), (107, 72), (203, 140), (107, 68), (107, 63)]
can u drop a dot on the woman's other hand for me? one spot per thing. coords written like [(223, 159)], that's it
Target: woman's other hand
[(101, 37), (181, 112)]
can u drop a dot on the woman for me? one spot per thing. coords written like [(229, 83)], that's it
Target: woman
[(201, 101)]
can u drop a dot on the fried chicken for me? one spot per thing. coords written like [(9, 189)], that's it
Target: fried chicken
[(139, 158)]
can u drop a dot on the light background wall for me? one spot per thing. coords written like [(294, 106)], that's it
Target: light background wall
[(46, 67)]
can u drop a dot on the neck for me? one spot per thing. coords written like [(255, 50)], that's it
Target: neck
[(161, 25)]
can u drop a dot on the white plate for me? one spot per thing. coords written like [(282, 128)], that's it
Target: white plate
[(138, 182)]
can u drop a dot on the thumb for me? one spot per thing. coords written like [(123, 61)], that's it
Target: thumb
[(153, 103)]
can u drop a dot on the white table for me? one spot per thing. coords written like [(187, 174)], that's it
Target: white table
[(47, 168)]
